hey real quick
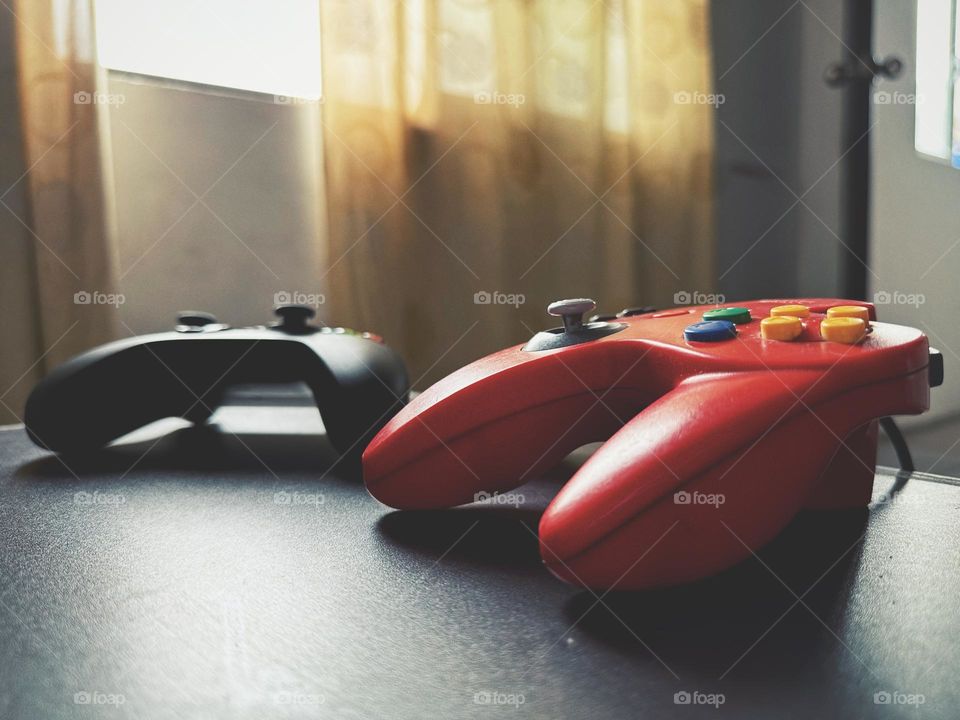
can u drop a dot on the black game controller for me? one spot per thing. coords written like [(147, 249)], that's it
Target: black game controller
[(358, 382)]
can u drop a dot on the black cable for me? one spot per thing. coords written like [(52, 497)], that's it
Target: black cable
[(899, 443)]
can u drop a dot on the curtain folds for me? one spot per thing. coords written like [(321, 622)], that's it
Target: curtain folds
[(60, 252), (515, 151)]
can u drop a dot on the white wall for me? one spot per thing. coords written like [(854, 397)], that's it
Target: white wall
[(269, 200)]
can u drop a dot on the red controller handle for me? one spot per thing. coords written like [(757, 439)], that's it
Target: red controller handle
[(684, 500)]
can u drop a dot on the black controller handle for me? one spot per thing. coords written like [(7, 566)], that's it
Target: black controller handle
[(358, 383)]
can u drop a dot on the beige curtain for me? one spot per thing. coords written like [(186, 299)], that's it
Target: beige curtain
[(58, 238), (539, 149)]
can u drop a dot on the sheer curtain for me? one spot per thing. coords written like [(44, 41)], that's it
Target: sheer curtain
[(515, 151), (60, 256)]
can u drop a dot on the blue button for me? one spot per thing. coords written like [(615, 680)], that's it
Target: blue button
[(710, 331)]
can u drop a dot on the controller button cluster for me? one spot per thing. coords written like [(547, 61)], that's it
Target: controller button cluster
[(781, 327), (736, 315), (710, 331)]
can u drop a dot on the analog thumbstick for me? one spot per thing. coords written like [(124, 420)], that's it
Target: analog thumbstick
[(195, 318), (294, 318), (195, 321), (571, 311)]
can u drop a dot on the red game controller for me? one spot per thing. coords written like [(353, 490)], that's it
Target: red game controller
[(723, 423)]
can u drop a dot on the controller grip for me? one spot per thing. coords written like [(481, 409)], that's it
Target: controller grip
[(360, 399), (98, 397), (492, 456), (708, 474)]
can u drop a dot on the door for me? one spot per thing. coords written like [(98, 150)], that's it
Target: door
[(914, 251)]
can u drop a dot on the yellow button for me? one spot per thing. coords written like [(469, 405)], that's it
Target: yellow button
[(854, 311), (784, 327), (847, 330), (800, 311)]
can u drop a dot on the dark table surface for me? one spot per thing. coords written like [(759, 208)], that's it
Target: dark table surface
[(198, 573)]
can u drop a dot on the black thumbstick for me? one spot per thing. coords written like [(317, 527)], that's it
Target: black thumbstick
[(194, 321), (195, 318), (572, 312), (294, 318)]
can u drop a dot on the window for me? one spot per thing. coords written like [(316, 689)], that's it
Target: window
[(937, 130), (249, 46)]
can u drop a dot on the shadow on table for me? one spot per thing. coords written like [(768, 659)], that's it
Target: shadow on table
[(746, 621), (765, 617), (200, 448), (487, 536), (494, 533)]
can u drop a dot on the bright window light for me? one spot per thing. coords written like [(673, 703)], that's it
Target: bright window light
[(935, 62), (268, 47)]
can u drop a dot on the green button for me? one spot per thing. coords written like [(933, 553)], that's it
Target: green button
[(738, 315)]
